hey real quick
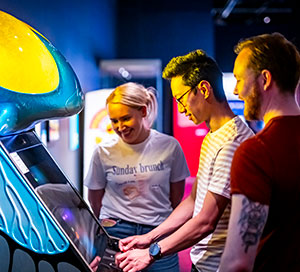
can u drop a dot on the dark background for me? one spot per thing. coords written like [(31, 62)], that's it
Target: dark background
[(88, 31)]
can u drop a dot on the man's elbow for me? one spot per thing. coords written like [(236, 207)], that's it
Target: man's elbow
[(207, 228)]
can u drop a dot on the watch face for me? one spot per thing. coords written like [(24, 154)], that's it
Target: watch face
[(154, 250)]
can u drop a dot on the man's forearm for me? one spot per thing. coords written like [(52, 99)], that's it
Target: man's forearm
[(198, 227), (186, 236), (177, 218)]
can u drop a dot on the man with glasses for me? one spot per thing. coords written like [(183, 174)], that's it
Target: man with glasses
[(201, 220)]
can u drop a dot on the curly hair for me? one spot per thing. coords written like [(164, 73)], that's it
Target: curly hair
[(194, 67), (276, 54)]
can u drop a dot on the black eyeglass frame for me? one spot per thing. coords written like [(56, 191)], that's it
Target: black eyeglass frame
[(178, 99)]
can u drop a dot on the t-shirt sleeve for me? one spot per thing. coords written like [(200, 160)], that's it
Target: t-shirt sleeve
[(95, 178), (220, 181), (179, 168), (251, 172)]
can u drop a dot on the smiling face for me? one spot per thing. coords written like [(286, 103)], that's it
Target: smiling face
[(247, 86), (190, 104), (128, 122)]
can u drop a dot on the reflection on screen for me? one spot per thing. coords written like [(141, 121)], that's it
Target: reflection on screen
[(64, 202), (42, 169), (75, 219)]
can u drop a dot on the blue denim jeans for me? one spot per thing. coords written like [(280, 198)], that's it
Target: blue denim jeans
[(124, 229)]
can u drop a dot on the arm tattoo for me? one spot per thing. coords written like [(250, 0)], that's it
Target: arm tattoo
[(252, 221)]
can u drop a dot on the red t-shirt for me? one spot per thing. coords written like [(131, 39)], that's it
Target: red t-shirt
[(266, 169)]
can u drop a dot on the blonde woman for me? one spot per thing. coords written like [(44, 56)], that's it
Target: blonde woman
[(136, 182)]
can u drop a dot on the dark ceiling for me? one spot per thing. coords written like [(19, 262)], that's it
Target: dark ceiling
[(227, 12)]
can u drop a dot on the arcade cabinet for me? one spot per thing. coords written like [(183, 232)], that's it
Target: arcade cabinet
[(45, 225)]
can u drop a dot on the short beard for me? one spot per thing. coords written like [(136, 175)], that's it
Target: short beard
[(253, 104)]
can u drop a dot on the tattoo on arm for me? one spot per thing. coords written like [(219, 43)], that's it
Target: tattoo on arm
[(252, 220)]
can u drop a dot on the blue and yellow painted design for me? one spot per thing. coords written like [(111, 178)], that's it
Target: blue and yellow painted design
[(36, 81), (36, 84)]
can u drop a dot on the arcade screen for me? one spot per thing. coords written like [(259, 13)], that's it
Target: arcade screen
[(65, 203)]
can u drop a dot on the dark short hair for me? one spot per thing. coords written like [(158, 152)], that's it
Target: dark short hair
[(194, 67), (276, 54)]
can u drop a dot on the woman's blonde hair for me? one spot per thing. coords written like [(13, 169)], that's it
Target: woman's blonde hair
[(136, 96)]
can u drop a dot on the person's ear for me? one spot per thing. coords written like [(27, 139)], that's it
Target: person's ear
[(204, 88), (266, 77), (144, 111)]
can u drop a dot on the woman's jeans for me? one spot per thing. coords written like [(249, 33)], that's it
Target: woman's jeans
[(123, 229)]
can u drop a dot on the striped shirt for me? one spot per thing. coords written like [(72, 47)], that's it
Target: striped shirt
[(214, 175)]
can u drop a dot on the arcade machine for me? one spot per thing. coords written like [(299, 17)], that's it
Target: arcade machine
[(45, 225)]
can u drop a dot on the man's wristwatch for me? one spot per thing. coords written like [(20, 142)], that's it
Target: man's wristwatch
[(154, 251)]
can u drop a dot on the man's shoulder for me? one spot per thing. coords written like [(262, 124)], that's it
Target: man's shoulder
[(243, 128), (237, 132), (251, 145)]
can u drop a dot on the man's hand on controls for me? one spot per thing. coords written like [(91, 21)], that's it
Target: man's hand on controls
[(137, 241), (134, 260)]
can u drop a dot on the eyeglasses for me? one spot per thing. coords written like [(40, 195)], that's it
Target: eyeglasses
[(178, 100)]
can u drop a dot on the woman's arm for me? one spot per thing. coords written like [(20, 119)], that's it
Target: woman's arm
[(95, 199), (176, 192)]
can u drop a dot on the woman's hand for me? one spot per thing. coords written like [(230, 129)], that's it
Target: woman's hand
[(95, 263)]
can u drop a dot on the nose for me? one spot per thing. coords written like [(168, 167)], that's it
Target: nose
[(235, 91), (120, 126), (181, 108)]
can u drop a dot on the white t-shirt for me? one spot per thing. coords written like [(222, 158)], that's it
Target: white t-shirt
[(137, 178), (213, 175)]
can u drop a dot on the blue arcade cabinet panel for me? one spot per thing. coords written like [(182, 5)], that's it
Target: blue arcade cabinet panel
[(45, 225)]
